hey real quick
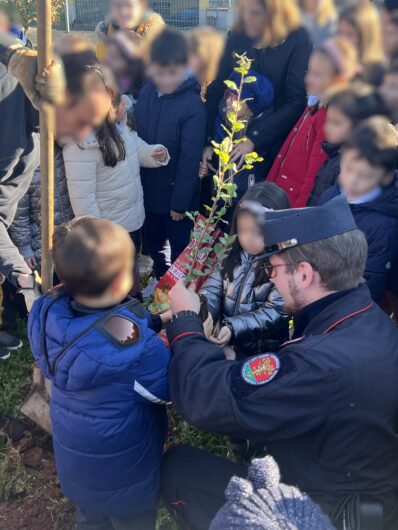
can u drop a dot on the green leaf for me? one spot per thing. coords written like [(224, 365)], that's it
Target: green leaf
[(231, 85), (250, 79), (238, 126)]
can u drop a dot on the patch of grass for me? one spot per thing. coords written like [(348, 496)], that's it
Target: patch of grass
[(15, 479), (16, 376)]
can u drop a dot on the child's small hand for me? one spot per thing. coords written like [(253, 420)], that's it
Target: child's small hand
[(159, 154), (223, 338), (177, 216), (31, 263), (166, 317)]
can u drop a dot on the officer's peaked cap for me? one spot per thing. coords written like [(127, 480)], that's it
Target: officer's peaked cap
[(290, 228)]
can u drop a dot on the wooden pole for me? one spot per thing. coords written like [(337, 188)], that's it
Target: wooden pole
[(47, 121)]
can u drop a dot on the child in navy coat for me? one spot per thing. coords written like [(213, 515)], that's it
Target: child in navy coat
[(170, 111), (108, 369), (368, 180)]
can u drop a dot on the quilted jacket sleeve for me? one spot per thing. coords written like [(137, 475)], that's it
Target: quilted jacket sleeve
[(81, 176), (266, 320), (144, 153), (213, 292), (21, 228)]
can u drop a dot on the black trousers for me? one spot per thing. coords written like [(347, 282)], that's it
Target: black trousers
[(193, 484), (160, 228), (145, 521)]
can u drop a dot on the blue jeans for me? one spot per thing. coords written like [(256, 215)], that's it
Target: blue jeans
[(85, 521)]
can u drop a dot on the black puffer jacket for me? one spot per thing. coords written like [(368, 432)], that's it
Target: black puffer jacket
[(328, 174), (285, 66), (256, 315)]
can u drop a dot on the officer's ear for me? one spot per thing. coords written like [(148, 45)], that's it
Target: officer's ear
[(305, 274)]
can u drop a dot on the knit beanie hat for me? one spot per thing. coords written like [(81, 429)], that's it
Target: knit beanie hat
[(260, 92), (261, 502)]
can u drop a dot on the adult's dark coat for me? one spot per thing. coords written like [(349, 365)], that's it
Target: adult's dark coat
[(285, 66), (328, 417), (328, 174), (177, 121), (378, 220), (19, 157)]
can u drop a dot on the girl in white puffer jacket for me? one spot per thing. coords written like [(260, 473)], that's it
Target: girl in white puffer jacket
[(103, 172)]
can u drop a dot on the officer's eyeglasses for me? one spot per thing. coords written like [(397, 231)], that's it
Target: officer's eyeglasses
[(271, 269)]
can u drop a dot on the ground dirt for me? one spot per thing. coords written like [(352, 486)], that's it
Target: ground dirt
[(32, 499)]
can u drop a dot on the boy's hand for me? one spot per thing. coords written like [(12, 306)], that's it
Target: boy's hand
[(177, 216), (183, 299), (160, 154), (223, 338)]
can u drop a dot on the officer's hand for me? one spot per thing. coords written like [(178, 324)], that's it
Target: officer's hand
[(223, 338), (183, 299)]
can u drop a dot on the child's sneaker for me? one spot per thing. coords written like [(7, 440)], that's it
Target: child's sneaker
[(4, 354), (145, 265), (9, 342), (149, 289)]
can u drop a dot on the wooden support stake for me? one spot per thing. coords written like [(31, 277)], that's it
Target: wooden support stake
[(47, 122)]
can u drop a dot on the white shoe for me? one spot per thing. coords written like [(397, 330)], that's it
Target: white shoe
[(145, 265), (149, 289)]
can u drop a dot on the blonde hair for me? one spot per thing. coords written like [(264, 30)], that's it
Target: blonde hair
[(283, 17), (208, 44), (326, 11), (365, 18), (343, 56)]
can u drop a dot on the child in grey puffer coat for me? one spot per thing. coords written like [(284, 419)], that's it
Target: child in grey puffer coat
[(25, 230), (245, 311)]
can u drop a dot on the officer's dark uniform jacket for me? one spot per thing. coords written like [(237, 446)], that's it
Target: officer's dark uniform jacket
[(109, 375), (328, 414)]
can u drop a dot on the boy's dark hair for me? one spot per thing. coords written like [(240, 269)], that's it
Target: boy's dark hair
[(169, 48), (270, 196), (89, 254), (358, 102), (84, 73), (375, 140)]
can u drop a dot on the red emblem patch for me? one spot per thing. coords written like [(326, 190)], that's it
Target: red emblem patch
[(261, 369)]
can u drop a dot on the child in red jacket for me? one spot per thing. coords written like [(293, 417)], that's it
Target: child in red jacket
[(333, 64)]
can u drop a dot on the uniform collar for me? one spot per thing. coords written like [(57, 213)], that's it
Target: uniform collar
[(325, 314)]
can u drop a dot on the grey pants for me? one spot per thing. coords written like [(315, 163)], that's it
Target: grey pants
[(85, 521)]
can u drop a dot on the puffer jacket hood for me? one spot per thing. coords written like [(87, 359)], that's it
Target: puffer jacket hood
[(108, 424), (255, 314)]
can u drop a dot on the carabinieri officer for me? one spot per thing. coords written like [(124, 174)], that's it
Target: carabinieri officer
[(325, 405)]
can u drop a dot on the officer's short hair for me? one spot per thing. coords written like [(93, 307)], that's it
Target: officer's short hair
[(89, 253), (340, 260)]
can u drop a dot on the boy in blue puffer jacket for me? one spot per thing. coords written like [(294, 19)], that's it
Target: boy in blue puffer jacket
[(108, 370)]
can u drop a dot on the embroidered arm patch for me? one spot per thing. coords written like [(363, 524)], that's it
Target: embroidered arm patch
[(261, 369)]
